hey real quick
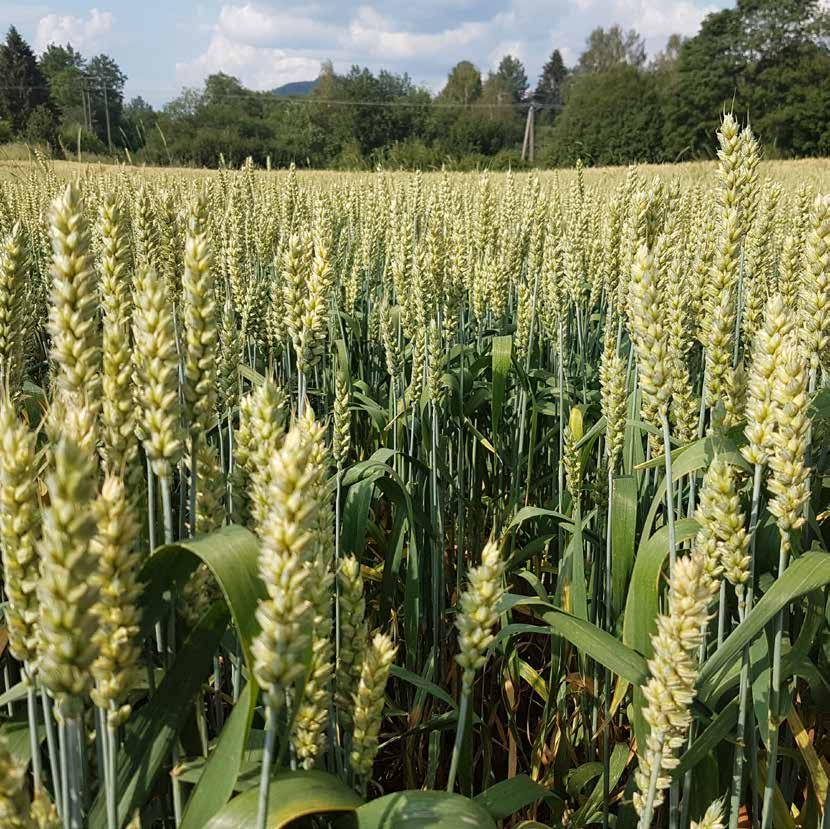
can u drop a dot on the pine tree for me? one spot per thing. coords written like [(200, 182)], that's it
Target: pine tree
[(548, 93), (23, 86)]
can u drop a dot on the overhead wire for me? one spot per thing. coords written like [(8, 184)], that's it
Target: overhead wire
[(432, 103)]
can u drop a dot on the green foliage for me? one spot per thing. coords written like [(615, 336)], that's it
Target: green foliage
[(23, 85), (292, 795), (359, 113), (607, 48), (610, 117), (419, 810), (549, 92), (73, 133), (511, 73), (765, 58), (63, 68), (105, 94), (40, 127), (463, 84)]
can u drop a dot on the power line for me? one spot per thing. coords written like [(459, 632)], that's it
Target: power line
[(310, 99), (432, 104)]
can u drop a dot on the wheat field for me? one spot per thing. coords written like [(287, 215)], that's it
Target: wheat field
[(415, 500)]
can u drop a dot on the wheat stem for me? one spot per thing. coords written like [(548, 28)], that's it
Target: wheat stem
[(669, 493), (459, 737)]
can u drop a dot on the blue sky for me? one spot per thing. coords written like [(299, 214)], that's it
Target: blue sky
[(163, 45)]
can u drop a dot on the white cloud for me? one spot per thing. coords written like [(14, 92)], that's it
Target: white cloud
[(81, 32), (656, 20), (257, 26), (265, 47), (266, 42), (257, 67), (372, 34)]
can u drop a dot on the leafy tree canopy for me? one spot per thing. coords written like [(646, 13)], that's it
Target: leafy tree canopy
[(606, 48), (610, 117), (512, 76), (463, 84), (767, 59)]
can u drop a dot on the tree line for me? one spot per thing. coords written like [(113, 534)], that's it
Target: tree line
[(766, 60)]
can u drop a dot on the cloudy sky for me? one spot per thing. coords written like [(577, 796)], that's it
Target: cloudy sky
[(163, 45)]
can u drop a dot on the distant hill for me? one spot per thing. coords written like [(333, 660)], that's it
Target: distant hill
[(295, 88)]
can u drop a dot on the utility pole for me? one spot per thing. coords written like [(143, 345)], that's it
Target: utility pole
[(83, 99), (107, 115), (532, 148), (87, 106), (527, 144)]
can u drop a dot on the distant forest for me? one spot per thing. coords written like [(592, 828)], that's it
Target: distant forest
[(766, 60)]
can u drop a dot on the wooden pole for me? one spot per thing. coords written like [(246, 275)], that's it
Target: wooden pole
[(531, 149), (528, 131), (107, 115)]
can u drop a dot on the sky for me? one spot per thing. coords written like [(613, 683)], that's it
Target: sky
[(165, 45)]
